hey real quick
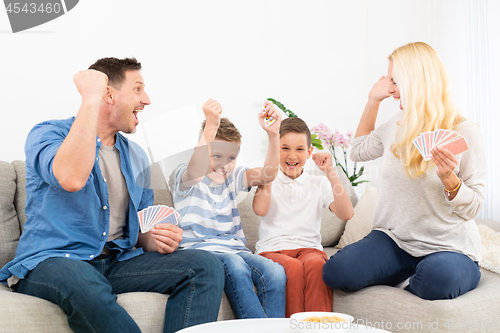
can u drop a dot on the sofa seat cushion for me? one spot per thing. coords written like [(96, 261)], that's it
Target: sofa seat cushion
[(34, 314), (397, 307), (147, 309), (37, 315), (9, 222), (22, 313)]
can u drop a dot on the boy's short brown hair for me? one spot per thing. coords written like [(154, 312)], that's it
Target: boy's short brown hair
[(295, 125), (226, 131)]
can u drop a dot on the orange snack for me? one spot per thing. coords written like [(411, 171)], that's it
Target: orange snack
[(325, 319)]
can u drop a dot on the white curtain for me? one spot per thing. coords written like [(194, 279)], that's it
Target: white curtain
[(482, 62)]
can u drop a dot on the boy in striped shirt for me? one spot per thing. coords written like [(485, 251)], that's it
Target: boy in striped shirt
[(205, 194)]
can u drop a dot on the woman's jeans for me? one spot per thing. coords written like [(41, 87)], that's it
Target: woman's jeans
[(86, 290), (243, 270), (377, 259)]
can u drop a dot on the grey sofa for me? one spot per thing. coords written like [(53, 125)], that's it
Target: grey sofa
[(380, 306)]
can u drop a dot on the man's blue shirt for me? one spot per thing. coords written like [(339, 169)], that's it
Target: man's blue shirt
[(75, 224)]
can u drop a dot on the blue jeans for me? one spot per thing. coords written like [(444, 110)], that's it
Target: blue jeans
[(377, 259), (86, 290), (243, 270)]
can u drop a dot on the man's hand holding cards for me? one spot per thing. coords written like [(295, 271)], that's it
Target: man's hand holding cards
[(449, 140), (153, 215)]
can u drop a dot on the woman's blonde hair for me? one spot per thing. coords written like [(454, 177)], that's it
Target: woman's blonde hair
[(424, 89)]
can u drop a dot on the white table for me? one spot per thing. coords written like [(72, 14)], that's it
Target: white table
[(268, 325)]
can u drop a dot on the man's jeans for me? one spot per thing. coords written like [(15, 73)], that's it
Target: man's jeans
[(377, 259), (243, 270), (86, 290)]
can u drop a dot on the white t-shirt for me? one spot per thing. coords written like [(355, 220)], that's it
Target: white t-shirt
[(294, 217)]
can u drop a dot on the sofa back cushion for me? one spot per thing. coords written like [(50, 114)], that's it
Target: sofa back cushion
[(160, 187), (20, 198), (249, 220), (9, 222)]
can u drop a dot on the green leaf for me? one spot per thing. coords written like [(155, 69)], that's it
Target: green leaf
[(289, 113), (317, 145), (357, 183), (316, 141)]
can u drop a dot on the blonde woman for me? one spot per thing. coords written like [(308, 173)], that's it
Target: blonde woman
[(424, 226)]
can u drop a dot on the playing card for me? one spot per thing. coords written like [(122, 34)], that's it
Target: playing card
[(161, 213), (146, 214), (457, 146), (428, 143), (452, 141), (439, 136), (141, 218), (267, 120), (169, 219), (424, 147), (418, 143), (448, 138), (153, 215)]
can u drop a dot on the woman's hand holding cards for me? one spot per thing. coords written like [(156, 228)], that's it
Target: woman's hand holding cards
[(446, 163)]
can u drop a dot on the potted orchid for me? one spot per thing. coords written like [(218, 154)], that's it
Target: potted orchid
[(334, 139), (321, 135)]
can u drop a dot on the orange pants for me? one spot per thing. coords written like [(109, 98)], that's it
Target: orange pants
[(305, 289)]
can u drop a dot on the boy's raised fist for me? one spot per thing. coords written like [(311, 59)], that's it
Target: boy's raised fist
[(323, 161), (273, 113), (212, 110)]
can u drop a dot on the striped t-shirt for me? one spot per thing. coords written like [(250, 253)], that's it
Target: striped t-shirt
[(208, 212)]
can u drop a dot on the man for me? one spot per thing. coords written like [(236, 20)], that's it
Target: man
[(81, 243)]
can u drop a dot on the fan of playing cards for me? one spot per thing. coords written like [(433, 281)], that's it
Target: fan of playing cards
[(449, 140), (153, 215), (268, 120)]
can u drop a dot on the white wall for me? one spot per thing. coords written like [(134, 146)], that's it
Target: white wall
[(320, 58)]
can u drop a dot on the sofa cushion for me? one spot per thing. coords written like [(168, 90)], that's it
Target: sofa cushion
[(362, 222), (490, 248), (31, 314), (160, 187), (400, 311), (146, 308), (331, 228), (20, 198), (249, 220), (9, 222), (37, 315)]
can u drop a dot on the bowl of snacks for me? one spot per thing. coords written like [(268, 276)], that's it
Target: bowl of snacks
[(321, 322)]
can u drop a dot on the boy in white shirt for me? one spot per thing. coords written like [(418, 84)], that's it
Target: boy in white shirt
[(291, 208)]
